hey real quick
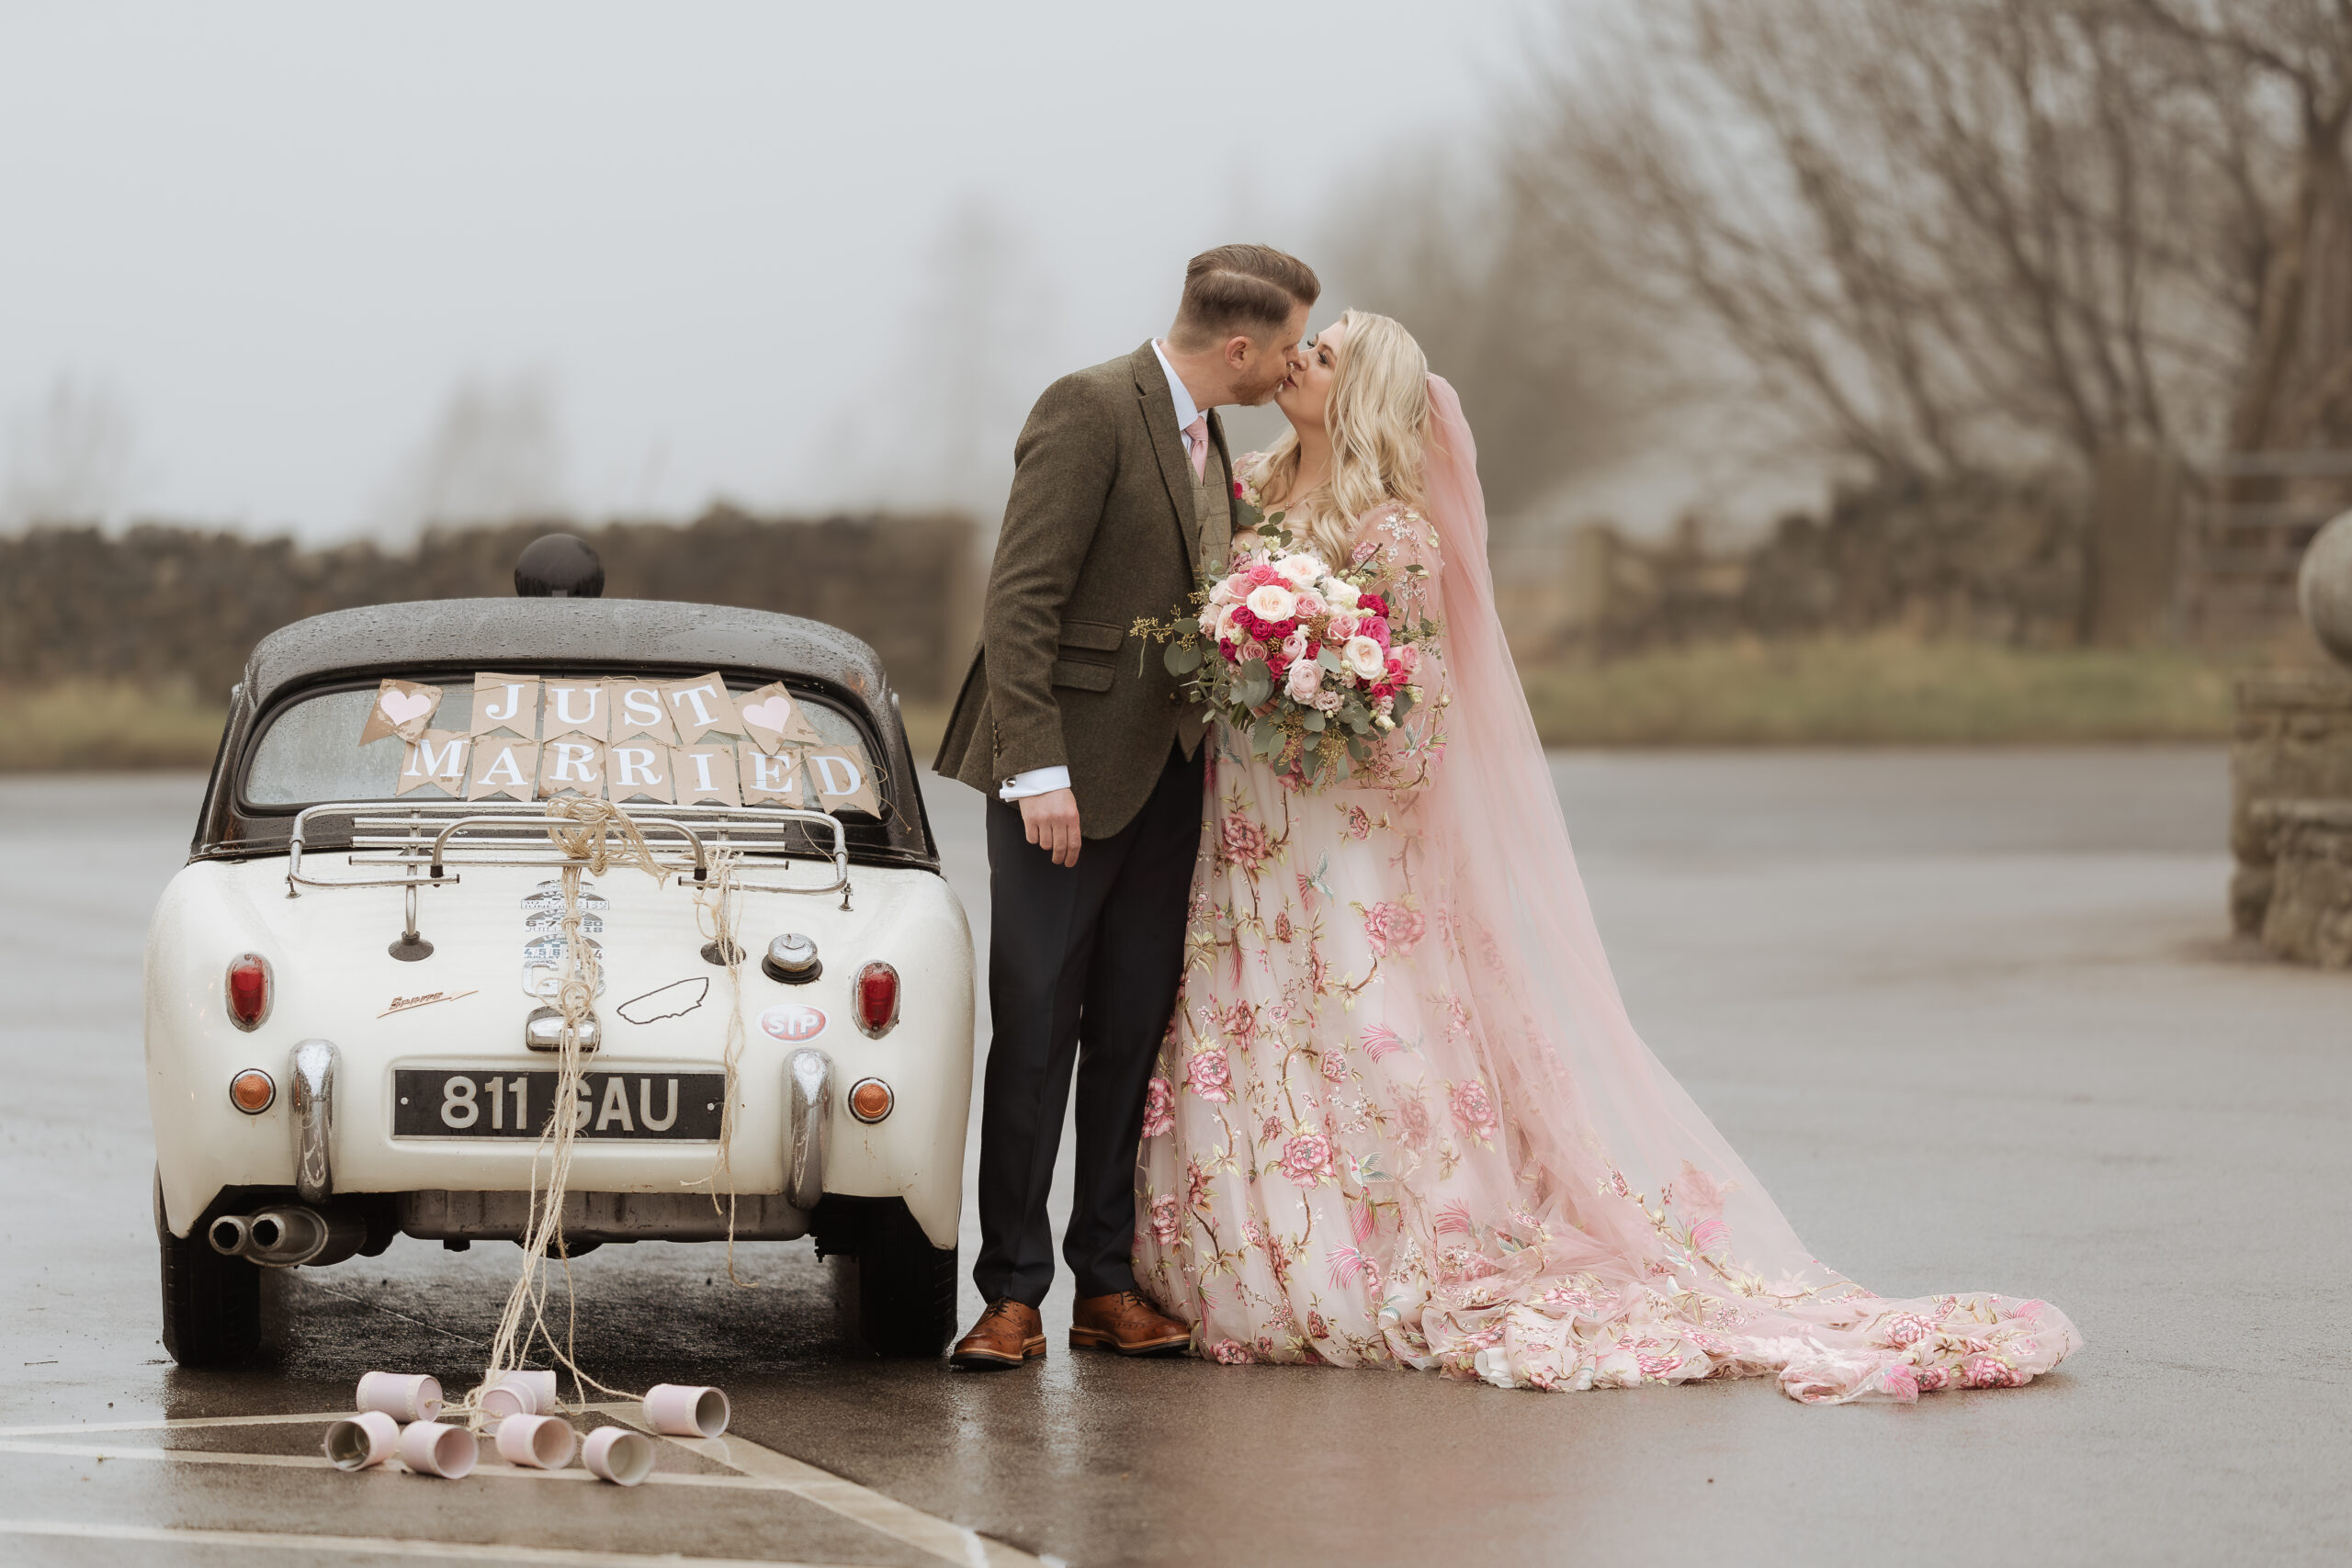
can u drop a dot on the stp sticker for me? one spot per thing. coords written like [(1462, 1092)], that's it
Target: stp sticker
[(793, 1021)]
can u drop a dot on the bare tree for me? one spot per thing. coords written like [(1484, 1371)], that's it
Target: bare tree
[(495, 453), (1957, 235), (1553, 376), (2279, 128), (72, 460)]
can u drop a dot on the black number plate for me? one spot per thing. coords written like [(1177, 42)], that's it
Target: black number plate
[(436, 1103)]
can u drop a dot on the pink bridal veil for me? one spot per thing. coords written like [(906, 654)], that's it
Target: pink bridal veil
[(1647, 1229)]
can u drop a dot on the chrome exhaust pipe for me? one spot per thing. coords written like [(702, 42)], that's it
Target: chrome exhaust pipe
[(288, 1234), (229, 1235)]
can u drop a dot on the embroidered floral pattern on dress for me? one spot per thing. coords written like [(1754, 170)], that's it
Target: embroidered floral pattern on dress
[(1329, 1171)]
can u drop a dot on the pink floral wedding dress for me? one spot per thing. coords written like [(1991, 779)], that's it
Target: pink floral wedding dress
[(1401, 1119)]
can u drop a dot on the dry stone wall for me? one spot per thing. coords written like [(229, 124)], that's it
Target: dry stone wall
[(160, 603)]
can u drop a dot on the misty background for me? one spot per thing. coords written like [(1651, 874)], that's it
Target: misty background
[(343, 272)]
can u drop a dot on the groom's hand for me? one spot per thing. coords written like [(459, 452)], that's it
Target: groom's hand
[(1051, 820)]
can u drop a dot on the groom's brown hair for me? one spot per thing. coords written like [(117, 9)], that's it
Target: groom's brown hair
[(1244, 289)]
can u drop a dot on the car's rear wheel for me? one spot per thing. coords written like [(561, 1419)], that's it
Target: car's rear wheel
[(212, 1303), (903, 1288)]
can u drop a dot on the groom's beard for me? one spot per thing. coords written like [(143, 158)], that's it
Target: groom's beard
[(1254, 395)]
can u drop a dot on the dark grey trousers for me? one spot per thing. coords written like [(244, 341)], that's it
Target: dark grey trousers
[(1084, 967)]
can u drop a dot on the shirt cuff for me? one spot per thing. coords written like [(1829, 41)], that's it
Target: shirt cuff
[(1036, 780)]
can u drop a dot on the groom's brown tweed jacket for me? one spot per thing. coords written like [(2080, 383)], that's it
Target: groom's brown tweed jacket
[(1105, 523)]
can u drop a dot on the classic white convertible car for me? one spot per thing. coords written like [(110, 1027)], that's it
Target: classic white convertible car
[(350, 1028)]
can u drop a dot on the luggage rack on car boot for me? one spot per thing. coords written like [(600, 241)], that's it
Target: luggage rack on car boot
[(425, 840)]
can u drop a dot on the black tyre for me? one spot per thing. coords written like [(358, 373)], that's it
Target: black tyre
[(212, 1303), (906, 1287)]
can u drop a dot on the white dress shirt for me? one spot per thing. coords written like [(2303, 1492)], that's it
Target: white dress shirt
[(1045, 781)]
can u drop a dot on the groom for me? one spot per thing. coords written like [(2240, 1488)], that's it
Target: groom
[(1122, 494)]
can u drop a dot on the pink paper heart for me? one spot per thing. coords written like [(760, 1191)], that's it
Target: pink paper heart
[(401, 707), (773, 714)]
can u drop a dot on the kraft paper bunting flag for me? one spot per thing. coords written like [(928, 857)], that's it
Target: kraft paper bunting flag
[(575, 707), (506, 702), (770, 777), (403, 708), (704, 776), (697, 707), (639, 707), (773, 720), (437, 757), (842, 781), (639, 768), (501, 769), (572, 764)]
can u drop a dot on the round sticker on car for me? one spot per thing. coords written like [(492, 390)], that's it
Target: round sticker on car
[(793, 1021)]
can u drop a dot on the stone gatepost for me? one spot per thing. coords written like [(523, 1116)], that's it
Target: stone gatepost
[(2291, 774)]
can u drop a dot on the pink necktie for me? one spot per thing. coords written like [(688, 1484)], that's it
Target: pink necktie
[(1196, 441)]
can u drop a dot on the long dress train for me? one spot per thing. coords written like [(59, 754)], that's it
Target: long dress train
[(1401, 1118)]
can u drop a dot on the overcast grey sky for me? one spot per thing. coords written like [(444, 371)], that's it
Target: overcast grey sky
[(681, 251)]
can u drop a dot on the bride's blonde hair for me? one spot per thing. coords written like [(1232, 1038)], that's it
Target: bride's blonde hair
[(1378, 418)]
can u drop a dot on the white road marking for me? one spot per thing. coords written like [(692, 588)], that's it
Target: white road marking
[(847, 1498), (495, 1469), (757, 1469), (377, 1545)]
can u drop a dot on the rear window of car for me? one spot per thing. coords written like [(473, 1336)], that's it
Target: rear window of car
[(658, 739)]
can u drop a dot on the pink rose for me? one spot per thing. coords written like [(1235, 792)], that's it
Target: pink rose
[(1413, 1122), (1245, 841), (1231, 1353), (1165, 1220), (1989, 1371), (1305, 681), (1930, 1378), (1307, 1159), (1158, 1108), (1904, 1328), (1240, 1021), (1335, 1066), (1473, 1112), (1207, 1074), (1391, 925), (1260, 574)]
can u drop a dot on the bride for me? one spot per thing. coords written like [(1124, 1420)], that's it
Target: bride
[(1401, 1118)]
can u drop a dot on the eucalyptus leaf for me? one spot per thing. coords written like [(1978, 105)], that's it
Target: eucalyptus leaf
[(1265, 737), (1315, 721), (1404, 705), (1182, 658)]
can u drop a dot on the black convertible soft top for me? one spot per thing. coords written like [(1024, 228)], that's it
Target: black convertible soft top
[(455, 637)]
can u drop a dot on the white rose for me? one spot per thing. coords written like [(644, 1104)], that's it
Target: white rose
[(1227, 628), (1208, 620), (1301, 570), (1342, 593), (1364, 657), (1271, 602), (1306, 680)]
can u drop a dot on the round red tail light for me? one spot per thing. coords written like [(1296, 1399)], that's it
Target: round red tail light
[(878, 998), (248, 990)]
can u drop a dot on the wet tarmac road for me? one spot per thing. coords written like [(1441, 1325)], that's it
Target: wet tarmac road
[(1968, 1014)]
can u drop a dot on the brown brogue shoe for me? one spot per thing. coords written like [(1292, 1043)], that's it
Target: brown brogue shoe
[(1008, 1334), (1125, 1323)]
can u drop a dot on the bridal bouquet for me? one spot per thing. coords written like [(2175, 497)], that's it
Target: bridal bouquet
[(1304, 658)]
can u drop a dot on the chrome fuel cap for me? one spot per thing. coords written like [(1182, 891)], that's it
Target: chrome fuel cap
[(792, 958)]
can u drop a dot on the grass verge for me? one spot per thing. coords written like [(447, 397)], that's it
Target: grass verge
[(89, 724), (1862, 690), (1881, 690)]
